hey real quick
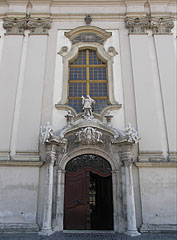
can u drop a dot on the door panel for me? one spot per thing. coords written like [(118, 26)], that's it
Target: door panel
[(76, 200)]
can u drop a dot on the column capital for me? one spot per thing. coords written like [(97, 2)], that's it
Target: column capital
[(126, 155), (137, 25), (14, 25), (51, 154), (39, 26), (162, 25), (17, 25)]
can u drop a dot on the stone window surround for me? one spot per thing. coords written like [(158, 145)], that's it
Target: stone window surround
[(103, 54)]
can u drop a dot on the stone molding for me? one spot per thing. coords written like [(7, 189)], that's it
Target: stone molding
[(158, 228), (17, 25), (20, 163), (156, 164), (158, 25)]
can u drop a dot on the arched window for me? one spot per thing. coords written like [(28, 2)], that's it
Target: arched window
[(88, 76)]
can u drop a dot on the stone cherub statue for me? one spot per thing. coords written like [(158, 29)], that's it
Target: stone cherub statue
[(87, 106), (132, 134)]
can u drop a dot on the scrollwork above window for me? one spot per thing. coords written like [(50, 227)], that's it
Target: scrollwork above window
[(88, 34)]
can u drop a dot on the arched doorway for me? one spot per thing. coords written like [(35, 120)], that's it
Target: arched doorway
[(88, 200)]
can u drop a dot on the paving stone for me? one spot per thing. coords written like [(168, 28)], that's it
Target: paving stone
[(85, 236)]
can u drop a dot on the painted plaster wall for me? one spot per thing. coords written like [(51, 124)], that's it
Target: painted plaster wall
[(19, 192), (158, 195)]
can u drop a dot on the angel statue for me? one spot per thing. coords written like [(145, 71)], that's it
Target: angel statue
[(46, 133), (87, 106)]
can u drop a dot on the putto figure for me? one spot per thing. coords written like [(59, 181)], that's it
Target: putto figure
[(87, 107)]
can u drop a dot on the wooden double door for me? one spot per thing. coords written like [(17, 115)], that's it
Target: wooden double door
[(88, 200)]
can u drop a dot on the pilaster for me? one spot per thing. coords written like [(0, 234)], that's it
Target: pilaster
[(166, 60), (145, 100), (32, 92), (9, 68)]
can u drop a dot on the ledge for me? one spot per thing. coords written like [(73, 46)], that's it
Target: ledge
[(14, 163), (158, 228), (156, 164)]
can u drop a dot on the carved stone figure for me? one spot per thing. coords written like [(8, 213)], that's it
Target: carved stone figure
[(89, 135), (132, 134), (69, 117), (46, 133), (87, 107)]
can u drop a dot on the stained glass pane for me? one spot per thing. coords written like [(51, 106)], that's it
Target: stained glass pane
[(93, 59), (97, 73), (100, 104), (77, 73), (81, 59), (77, 89), (76, 104), (98, 89)]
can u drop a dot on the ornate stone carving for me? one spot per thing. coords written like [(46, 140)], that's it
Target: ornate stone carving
[(87, 37), (162, 25), (112, 51), (132, 134), (63, 51), (89, 135), (93, 161), (39, 25), (14, 26), (69, 117), (88, 19), (46, 133), (87, 107), (137, 25), (126, 154), (108, 117)]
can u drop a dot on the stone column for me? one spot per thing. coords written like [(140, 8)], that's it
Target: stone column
[(131, 214), (47, 217), (60, 200)]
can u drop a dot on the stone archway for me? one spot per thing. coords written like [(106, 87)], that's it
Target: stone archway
[(88, 136)]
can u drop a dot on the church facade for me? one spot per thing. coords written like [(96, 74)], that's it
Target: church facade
[(88, 116)]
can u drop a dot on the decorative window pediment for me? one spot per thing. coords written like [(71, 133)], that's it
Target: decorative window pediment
[(88, 34)]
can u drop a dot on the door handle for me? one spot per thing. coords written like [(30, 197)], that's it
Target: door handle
[(79, 201)]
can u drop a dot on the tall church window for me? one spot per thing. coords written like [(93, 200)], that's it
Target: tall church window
[(88, 76)]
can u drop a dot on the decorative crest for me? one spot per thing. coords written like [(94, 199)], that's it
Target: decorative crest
[(132, 134), (89, 135)]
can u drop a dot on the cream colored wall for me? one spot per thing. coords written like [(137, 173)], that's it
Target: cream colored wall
[(19, 193), (158, 195)]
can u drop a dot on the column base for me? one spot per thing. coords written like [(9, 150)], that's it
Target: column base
[(46, 232), (132, 233)]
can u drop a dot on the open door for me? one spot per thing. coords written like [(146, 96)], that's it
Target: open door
[(76, 200)]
